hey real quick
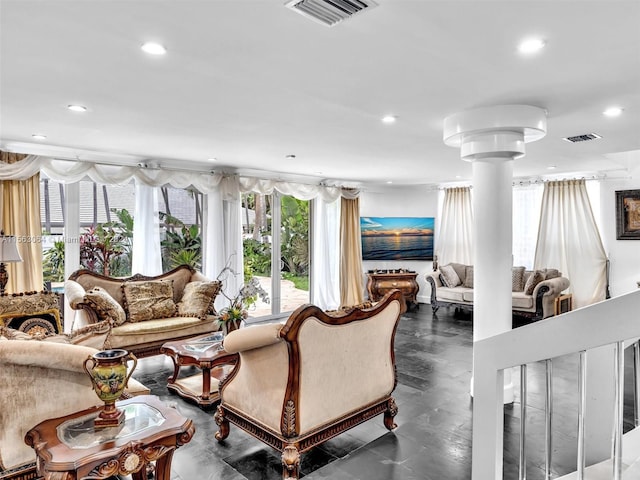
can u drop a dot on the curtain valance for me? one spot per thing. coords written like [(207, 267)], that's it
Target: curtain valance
[(70, 171)]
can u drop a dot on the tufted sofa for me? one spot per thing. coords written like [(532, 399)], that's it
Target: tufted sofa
[(40, 379), (533, 292), (144, 312), (320, 373)]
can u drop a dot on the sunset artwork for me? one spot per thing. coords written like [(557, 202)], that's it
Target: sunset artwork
[(397, 238)]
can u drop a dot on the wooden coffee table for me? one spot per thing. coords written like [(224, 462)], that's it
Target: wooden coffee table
[(206, 353), (70, 448)]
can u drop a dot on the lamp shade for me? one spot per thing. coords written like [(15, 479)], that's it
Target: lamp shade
[(9, 249)]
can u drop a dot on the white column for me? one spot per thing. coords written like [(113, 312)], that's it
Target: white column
[(71, 241), (491, 138)]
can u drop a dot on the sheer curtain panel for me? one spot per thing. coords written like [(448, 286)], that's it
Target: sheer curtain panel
[(455, 238), (325, 270), (146, 257), (569, 240)]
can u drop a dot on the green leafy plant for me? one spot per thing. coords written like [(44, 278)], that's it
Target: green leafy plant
[(53, 265), (182, 243), (106, 247), (295, 236)]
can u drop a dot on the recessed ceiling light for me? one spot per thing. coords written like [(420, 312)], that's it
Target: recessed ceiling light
[(153, 48), (389, 181), (389, 119), (77, 108), (531, 45), (612, 111), (212, 159), (37, 136), (551, 167)]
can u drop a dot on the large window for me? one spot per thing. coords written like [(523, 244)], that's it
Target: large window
[(106, 227), (276, 249)]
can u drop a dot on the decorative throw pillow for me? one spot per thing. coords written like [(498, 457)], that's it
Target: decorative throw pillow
[(550, 273), (534, 279), (107, 308), (148, 300), (197, 298), (517, 279), (468, 277), (451, 278)]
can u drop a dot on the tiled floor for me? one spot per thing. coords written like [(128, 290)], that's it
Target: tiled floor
[(433, 438)]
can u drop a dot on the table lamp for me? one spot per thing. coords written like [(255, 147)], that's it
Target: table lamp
[(8, 253)]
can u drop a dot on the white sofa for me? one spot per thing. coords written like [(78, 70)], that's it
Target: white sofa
[(537, 304)]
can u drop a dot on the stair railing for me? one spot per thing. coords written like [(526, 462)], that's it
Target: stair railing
[(573, 332)]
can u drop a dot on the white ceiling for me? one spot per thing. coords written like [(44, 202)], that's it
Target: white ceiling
[(250, 81)]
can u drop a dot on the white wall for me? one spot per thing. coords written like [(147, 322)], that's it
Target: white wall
[(402, 202), (624, 255)]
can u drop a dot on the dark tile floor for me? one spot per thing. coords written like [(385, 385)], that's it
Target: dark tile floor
[(433, 438)]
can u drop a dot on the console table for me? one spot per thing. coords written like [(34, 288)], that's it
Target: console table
[(381, 281)]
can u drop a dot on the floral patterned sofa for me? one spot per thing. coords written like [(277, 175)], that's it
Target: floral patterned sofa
[(144, 312)]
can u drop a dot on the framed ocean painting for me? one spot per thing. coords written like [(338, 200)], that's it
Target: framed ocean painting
[(397, 238)]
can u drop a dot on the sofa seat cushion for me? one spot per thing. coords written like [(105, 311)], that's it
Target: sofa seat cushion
[(158, 330), (456, 294), (522, 301)]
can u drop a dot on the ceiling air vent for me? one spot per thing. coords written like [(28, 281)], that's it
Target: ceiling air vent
[(330, 12), (583, 138)]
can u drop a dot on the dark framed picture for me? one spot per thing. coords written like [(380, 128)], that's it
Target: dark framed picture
[(628, 214)]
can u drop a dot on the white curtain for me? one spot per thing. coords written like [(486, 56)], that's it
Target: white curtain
[(526, 214), (455, 236), (222, 242), (146, 256), (223, 239), (325, 266), (569, 240)]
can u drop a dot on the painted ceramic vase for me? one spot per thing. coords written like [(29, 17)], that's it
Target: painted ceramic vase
[(107, 370)]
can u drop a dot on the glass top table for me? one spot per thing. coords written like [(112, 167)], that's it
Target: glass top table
[(80, 432)]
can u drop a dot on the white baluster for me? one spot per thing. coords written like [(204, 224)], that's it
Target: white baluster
[(582, 382), (523, 421)]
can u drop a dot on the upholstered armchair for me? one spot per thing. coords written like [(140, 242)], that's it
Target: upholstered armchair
[(40, 379), (303, 382)]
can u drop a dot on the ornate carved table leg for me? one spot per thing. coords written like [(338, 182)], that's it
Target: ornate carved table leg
[(223, 424), (290, 463), (390, 413)]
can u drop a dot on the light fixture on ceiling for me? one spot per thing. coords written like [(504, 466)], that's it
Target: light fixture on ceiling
[(389, 182), (531, 45), (77, 108), (212, 159), (290, 157), (153, 48), (613, 111), (38, 136), (388, 119), (551, 167)]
